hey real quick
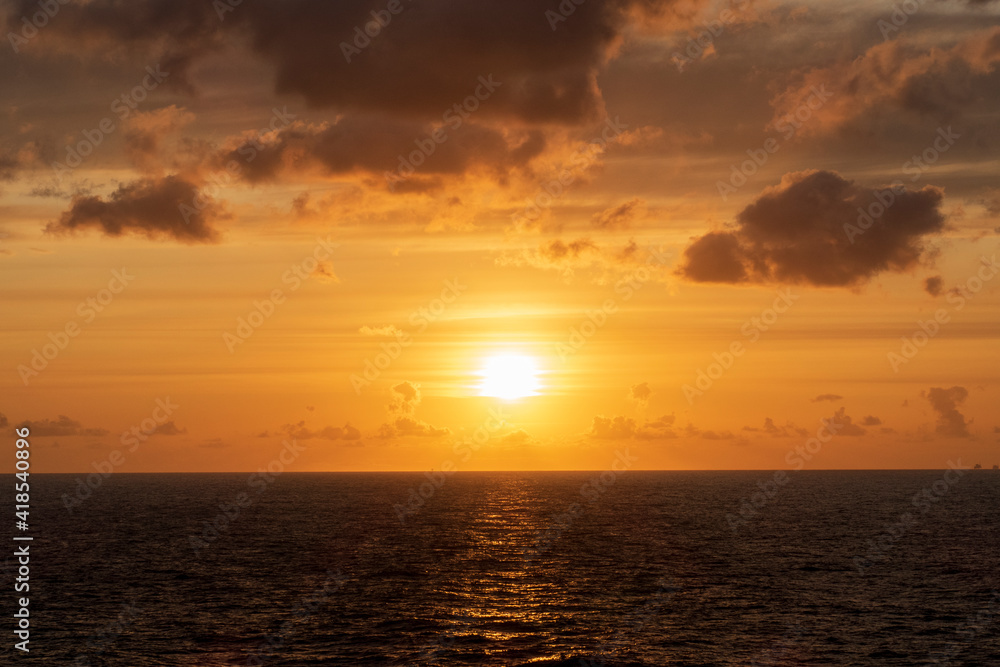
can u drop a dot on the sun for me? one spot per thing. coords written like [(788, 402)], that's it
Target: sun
[(509, 376)]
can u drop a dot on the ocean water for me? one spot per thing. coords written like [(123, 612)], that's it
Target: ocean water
[(647, 568)]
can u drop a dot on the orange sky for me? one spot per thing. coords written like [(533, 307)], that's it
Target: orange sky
[(234, 214)]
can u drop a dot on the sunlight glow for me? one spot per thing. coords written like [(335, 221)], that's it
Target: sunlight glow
[(509, 376)]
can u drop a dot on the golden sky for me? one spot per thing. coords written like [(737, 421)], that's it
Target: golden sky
[(504, 235)]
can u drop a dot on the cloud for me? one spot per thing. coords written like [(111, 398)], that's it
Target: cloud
[(717, 435), (169, 428), (3, 420), (546, 75), (147, 207), (918, 78), (661, 428), (775, 431), (410, 426), (871, 420), (951, 423), (318, 52), (171, 33), (557, 251), (934, 285), (624, 428), (299, 431), (403, 402), (405, 397), (558, 255), (61, 426), (9, 166), (618, 217), (827, 397), (616, 428), (374, 146), (145, 132), (798, 232), (518, 437), (990, 200), (389, 331), (640, 393), (845, 426), (324, 273), (14, 160), (605, 265), (214, 443)]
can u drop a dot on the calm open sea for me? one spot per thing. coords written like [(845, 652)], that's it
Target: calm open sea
[(654, 568)]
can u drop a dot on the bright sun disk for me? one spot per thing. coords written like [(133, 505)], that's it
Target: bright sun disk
[(509, 376)]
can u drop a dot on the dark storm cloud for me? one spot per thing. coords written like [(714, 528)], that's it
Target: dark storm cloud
[(8, 167), (432, 53), (176, 32), (945, 403), (425, 56), (381, 145), (942, 82), (147, 207), (803, 232)]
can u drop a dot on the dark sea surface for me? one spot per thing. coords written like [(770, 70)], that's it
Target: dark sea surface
[(837, 568)]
